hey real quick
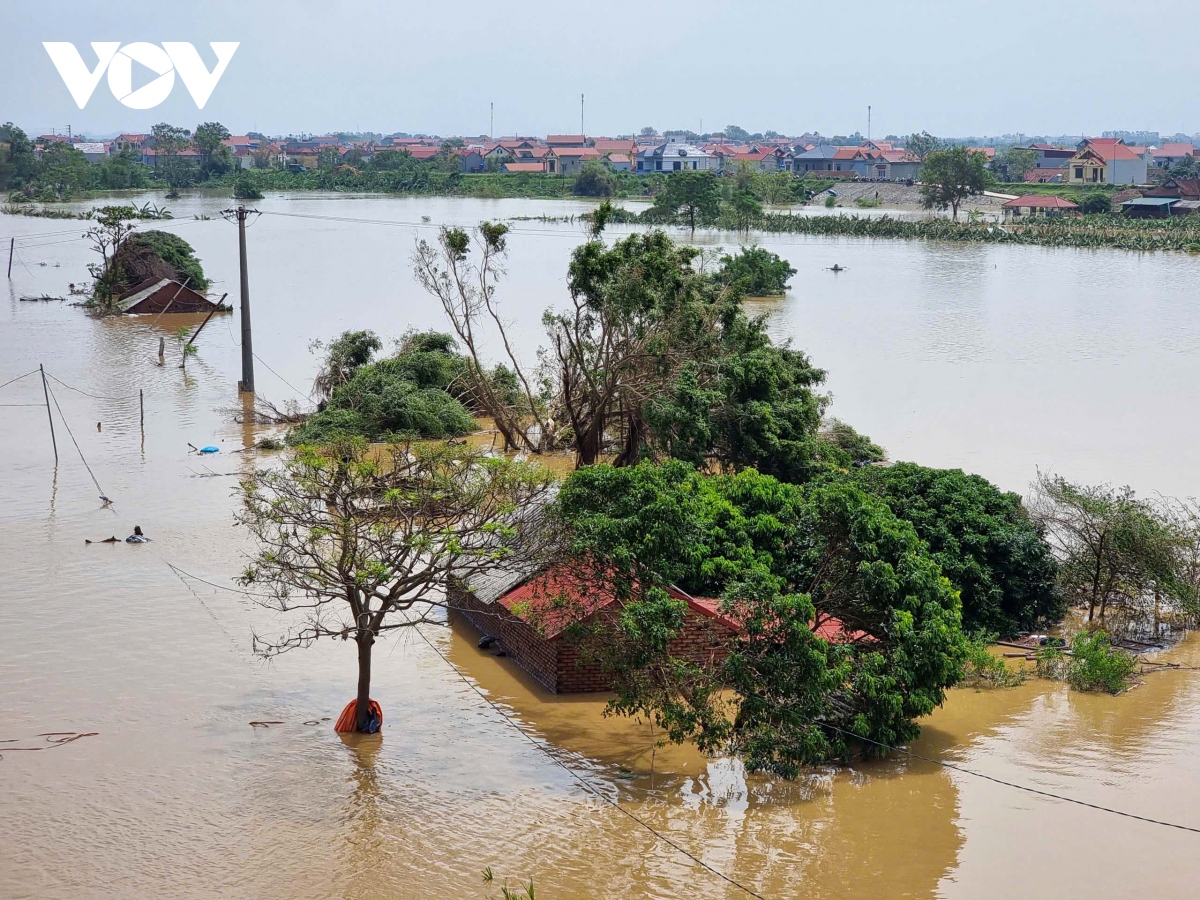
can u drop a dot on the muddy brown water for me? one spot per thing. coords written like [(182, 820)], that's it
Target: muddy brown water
[(995, 359)]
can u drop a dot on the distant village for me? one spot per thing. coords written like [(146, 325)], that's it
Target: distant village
[(1144, 170)]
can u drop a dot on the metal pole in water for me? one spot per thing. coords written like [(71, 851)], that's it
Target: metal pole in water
[(11, 244), (46, 394), (142, 409)]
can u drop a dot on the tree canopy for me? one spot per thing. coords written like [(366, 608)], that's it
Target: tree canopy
[(982, 538), (848, 627), (948, 177), (693, 197)]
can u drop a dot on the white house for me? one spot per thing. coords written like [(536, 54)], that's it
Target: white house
[(675, 157)]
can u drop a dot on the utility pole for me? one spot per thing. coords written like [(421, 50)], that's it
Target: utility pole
[(491, 120), (581, 130), (12, 243), (46, 394), (868, 122), (247, 382)]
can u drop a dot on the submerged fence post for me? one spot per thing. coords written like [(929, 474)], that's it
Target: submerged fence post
[(46, 394), (12, 241)]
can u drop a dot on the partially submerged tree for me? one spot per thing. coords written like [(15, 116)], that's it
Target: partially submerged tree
[(693, 197), (757, 271), (847, 627), (344, 356), (948, 177), (1115, 551), (467, 292), (357, 544), (113, 226), (983, 539)]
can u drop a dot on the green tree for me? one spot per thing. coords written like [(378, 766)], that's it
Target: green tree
[(1097, 203), (595, 180), (169, 142), (757, 271), (736, 133), (983, 539), (65, 170), (847, 627), (353, 544), (209, 137), (18, 164), (1013, 162), (922, 143), (746, 209), (948, 177), (694, 196)]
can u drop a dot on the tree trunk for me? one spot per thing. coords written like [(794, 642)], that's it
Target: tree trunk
[(362, 710)]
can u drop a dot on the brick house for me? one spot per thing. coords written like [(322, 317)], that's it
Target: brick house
[(529, 614)]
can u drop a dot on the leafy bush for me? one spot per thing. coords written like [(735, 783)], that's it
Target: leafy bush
[(830, 202), (1096, 203), (244, 189), (846, 447), (1096, 665), (982, 668), (406, 394), (141, 252), (757, 271), (594, 180)]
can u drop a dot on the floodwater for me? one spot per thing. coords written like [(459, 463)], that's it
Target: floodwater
[(999, 360)]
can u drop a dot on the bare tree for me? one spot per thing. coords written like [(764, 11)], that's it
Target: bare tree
[(467, 291), (108, 236), (359, 543)]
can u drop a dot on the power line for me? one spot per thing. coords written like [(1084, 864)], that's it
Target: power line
[(1011, 784), (18, 378), (78, 391), (277, 375), (78, 450), (583, 781), (388, 222)]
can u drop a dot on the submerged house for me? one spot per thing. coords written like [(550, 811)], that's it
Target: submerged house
[(530, 612), (164, 295), (1031, 205)]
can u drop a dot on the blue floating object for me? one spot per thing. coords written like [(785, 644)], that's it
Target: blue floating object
[(210, 449)]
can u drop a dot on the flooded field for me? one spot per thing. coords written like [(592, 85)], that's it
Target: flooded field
[(996, 359)]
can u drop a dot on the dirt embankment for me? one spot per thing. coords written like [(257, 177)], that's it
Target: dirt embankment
[(897, 196)]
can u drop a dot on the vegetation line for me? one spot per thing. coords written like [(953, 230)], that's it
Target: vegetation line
[(583, 781)]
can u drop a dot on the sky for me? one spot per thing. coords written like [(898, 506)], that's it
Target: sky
[(952, 67)]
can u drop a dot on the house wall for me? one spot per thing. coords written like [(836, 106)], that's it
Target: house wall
[(519, 639), (1127, 171), (702, 640)]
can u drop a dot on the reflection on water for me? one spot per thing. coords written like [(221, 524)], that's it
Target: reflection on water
[(996, 359)]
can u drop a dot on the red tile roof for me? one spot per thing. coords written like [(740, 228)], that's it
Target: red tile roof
[(1175, 148), (514, 167), (581, 152), (553, 139)]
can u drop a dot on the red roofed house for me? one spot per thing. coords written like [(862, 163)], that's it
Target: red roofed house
[(566, 140), (1107, 160), (569, 160), (529, 615), (1171, 153), (529, 612), (516, 166), (1040, 205), (606, 146)]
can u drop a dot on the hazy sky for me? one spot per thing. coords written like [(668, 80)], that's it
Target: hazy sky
[(954, 67)]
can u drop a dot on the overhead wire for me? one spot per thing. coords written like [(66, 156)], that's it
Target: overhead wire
[(18, 378), (79, 391), (1012, 784), (107, 501), (583, 781)]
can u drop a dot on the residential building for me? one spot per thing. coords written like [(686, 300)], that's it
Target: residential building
[(529, 614), (818, 159), (569, 160), (557, 141), (1108, 160), (675, 157), (95, 151), (1049, 156), (619, 162), (1171, 153), (513, 167)]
